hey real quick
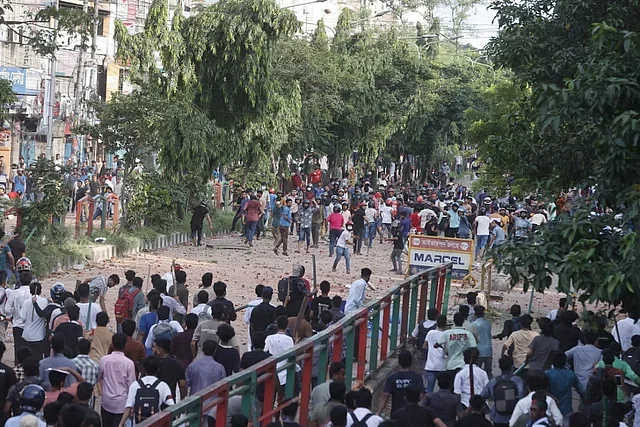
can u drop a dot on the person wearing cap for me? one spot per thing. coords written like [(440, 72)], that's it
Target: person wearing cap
[(57, 378), (497, 236)]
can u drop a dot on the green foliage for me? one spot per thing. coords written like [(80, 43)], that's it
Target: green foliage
[(51, 201), (150, 202), (580, 128), (320, 40), (6, 96)]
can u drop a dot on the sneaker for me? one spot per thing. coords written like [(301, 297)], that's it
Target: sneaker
[(275, 251), (348, 272)]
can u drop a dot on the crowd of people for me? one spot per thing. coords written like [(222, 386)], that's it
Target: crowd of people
[(352, 215)]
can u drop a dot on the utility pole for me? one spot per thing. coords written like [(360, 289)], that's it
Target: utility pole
[(93, 78), (51, 98), (77, 110)]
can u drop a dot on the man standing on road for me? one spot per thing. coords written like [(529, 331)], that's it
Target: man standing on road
[(204, 371), (455, 341), (117, 372), (285, 223), (200, 212), (355, 300), (252, 214), (396, 383), (263, 314), (481, 230), (306, 221)]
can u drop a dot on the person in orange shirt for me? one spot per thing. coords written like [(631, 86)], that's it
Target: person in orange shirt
[(57, 377)]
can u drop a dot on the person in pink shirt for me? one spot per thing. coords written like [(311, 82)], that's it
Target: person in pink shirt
[(252, 211), (336, 222), (117, 373)]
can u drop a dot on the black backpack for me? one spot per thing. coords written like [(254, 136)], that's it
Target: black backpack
[(147, 401), (359, 423), (505, 396), (422, 336), (283, 288)]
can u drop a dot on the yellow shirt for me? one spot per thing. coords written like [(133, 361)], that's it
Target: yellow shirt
[(521, 340)]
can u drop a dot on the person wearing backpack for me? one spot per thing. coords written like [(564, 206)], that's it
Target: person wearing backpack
[(130, 299), (362, 416), (421, 330), (148, 395), (165, 328), (504, 391), (293, 289), (632, 356)]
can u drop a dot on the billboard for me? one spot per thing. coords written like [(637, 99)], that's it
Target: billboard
[(24, 81), (432, 251)]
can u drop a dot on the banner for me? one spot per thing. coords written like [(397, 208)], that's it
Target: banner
[(431, 251), (23, 80)]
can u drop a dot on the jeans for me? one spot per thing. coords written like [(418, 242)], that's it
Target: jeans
[(251, 230), (387, 228), (481, 242), (342, 252), (370, 233), (235, 220), (485, 363), (334, 235), (196, 230), (429, 378), (396, 259), (305, 234), (357, 241)]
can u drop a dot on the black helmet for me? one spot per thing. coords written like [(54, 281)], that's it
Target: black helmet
[(32, 398), (337, 209)]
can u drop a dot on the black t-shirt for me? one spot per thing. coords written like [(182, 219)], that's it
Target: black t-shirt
[(199, 212), (253, 358), (71, 332), (358, 219), (569, 336), (413, 416), (229, 358), (398, 243), (474, 420), (7, 379), (320, 304), (229, 310), (262, 316), (397, 382), (170, 371), (17, 248)]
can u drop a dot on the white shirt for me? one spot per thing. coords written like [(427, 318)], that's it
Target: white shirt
[(462, 383), (360, 413), (436, 360), (200, 308), (148, 343), (524, 406), (16, 421), (14, 304), (55, 313), (370, 214), (483, 222), (552, 315), (173, 304), (426, 324), (355, 300), (166, 396), (249, 309), (5, 294), (425, 215), (627, 329), (277, 344), (385, 213), (342, 240), (34, 325), (346, 215), (538, 219), (86, 317)]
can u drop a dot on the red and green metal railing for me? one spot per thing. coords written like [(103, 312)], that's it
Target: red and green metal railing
[(392, 316)]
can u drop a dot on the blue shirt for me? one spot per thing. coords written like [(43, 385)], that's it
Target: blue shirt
[(464, 229), (488, 392), (484, 333), (560, 383), (146, 322), (272, 201), (454, 219), (500, 236), (286, 216), (406, 227), (57, 361), (19, 183)]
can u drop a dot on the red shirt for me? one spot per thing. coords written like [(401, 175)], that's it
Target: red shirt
[(296, 181), (415, 221), (336, 221), (252, 209), (316, 176)]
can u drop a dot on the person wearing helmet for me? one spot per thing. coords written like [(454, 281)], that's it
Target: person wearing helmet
[(464, 230), (335, 222), (31, 402), (342, 248), (398, 246), (522, 225), (454, 221)]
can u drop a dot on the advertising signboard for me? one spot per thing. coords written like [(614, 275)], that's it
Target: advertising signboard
[(432, 251)]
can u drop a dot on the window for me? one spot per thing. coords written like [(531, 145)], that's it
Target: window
[(122, 77), (101, 25)]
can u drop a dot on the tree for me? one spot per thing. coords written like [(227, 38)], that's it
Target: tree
[(582, 62), (6, 97), (320, 40)]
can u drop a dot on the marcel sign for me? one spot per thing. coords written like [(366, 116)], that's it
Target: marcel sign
[(431, 251)]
